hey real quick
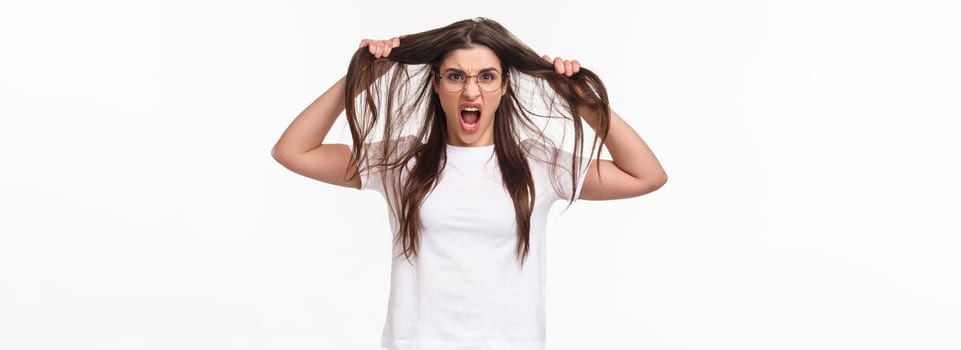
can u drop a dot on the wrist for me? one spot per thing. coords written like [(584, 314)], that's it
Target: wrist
[(589, 115)]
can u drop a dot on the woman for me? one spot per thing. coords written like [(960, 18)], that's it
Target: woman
[(441, 128)]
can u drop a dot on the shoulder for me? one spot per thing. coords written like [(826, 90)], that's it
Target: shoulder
[(540, 152), (563, 169), (381, 152), (547, 154), (385, 158)]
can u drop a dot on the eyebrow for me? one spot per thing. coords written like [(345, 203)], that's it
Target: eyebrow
[(488, 69)]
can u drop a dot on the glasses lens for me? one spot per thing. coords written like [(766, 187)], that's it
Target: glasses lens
[(457, 83), (453, 85), (488, 85)]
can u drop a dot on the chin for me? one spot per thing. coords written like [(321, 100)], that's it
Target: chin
[(459, 137)]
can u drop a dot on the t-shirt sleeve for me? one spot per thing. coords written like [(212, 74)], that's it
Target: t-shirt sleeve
[(558, 178), (566, 164), (371, 179), (371, 176)]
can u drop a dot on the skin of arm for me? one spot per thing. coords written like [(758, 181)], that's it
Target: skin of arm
[(301, 148), (634, 170)]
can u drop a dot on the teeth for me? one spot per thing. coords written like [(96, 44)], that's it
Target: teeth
[(471, 109)]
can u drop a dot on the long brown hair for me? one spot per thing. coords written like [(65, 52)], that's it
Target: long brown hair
[(411, 107)]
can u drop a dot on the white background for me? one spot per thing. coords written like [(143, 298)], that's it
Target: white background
[(811, 148)]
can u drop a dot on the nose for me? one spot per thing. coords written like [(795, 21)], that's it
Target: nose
[(472, 89)]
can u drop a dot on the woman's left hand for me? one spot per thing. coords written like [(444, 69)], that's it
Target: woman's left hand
[(562, 66), (567, 68)]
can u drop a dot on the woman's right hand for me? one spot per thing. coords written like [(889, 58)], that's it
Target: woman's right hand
[(380, 48)]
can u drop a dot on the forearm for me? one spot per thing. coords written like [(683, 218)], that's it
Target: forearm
[(628, 150), (311, 126)]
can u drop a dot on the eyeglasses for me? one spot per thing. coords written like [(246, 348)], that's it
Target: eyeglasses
[(455, 81)]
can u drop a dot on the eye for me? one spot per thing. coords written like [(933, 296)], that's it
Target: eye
[(454, 76), (488, 76)]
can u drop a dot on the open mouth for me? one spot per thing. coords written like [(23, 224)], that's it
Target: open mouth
[(470, 117)]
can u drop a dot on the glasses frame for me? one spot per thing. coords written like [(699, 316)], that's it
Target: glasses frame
[(463, 87)]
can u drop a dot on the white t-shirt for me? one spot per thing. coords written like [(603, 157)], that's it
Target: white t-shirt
[(466, 289)]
